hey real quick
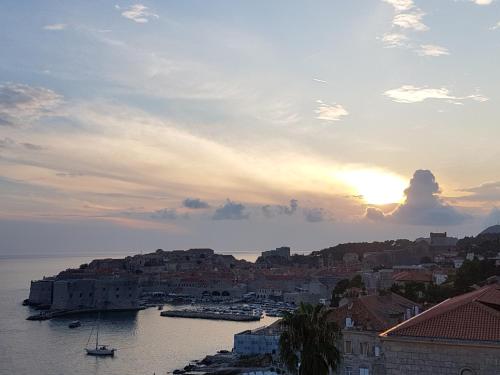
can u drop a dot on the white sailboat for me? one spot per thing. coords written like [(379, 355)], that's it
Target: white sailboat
[(100, 349)]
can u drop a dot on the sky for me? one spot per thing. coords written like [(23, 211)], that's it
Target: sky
[(246, 125)]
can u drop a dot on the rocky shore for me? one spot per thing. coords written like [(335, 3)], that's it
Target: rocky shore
[(228, 363)]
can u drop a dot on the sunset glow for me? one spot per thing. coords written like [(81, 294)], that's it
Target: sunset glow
[(375, 186)]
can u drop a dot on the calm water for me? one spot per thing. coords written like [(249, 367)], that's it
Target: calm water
[(147, 342)]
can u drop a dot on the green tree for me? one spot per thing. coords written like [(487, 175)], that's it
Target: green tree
[(308, 342)]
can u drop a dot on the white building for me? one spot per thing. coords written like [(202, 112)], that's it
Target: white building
[(264, 340)]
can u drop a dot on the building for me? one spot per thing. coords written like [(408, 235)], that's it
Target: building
[(264, 340), (282, 252), (361, 321), (419, 276), (41, 292), (441, 242), (460, 336), (86, 294)]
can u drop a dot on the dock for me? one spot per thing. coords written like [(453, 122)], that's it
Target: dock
[(210, 315)]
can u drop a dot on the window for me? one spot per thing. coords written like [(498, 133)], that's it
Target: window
[(466, 371), (364, 371), (363, 348), (81, 295), (348, 370), (376, 350), (117, 296), (347, 347)]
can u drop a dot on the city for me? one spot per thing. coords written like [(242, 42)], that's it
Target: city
[(402, 306), (235, 187)]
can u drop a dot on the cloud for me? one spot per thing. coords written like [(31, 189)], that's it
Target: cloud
[(7, 143), (413, 94), (70, 174), (32, 146), (166, 214), (407, 16), (315, 215), (493, 217), (482, 2), (21, 103), (230, 211), (432, 50), (328, 112), (489, 191), (496, 26), (401, 5), (138, 13), (55, 27), (276, 210), (195, 203), (393, 40), (374, 214), (411, 20), (422, 205)]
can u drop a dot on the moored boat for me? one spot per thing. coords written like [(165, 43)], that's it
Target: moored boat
[(74, 324), (99, 350)]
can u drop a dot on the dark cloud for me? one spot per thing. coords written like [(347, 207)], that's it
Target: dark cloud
[(21, 103), (230, 211), (195, 203), (70, 174), (375, 214), (32, 146), (489, 191), (422, 206), (7, 143), (11, 143), (315, 215), (167, 214), (276, 210)]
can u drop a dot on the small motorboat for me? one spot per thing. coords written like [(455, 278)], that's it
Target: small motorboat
[(101, 350), (74, 324)]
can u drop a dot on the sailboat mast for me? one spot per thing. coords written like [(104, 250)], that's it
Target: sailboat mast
[(97, 334)]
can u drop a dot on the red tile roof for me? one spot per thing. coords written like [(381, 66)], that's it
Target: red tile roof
[(416, 276), (373, 312), (473, 316)]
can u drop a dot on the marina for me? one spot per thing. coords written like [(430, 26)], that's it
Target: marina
[(212, 315)]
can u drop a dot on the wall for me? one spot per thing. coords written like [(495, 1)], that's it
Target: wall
[(247, 344), (413, 357), (41, 292), (95, 294), (357, 359)]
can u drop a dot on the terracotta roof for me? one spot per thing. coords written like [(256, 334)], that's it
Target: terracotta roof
[(417, 276), (373, 312), (472, 316)]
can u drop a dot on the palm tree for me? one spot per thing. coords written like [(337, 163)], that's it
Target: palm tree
[(308, 341)]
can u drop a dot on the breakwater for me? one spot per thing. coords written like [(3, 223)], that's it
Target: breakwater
[(210, 315)]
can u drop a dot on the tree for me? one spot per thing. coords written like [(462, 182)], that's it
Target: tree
[(308, 342)]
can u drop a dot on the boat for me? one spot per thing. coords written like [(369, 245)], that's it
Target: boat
[(100, 350), (74, 324)]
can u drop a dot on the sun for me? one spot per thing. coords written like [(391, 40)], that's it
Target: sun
[(376, 187)]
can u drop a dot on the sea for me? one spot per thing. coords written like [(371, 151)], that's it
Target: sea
[(147, 343)]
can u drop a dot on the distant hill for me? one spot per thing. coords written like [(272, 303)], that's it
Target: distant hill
[(494, 229)]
